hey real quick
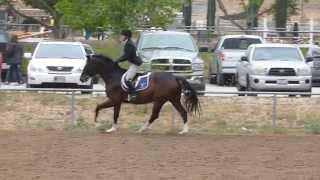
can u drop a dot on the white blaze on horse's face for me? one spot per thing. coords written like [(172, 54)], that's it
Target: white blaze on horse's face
[(84, 77)]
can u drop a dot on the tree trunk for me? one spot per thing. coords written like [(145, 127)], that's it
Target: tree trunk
[(57, 28), (252, 20), (211, 13), (281, 15), (187, 12)]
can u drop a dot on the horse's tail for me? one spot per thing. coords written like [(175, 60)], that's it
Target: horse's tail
[(191, 100)]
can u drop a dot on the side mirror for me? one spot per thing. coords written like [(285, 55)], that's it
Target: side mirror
[(244, 58), (27, 55), (309, 59)]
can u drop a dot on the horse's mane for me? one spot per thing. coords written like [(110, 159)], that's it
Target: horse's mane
[(105, 59)]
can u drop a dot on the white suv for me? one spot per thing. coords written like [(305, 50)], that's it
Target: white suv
[(57, 64), (273, 67)]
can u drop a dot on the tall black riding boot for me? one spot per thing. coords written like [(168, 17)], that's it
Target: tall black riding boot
[(132, 95)]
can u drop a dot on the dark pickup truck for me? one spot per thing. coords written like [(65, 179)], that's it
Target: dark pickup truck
[(4, 40)]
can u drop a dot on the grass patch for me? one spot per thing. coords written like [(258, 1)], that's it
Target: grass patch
[(268, 129), (104, 125), (312, 126), (206, 56), (80, 124)]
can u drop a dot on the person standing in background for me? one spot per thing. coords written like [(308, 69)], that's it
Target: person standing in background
[(295, 33), (14, 56), (1, 61)]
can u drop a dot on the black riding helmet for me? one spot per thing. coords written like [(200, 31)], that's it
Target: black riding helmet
[(126, 33)]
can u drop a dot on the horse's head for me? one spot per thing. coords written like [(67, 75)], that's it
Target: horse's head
[(89, 70), (96, 64)]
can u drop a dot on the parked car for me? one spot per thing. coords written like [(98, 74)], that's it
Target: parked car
[(57, 64), (174, 52), (227, 53), (313, 59), (273, 67), (89, 50)]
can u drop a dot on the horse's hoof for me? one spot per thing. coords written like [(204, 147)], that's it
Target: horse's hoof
[(144, 128), (97, 125), (183, 132), (111, 130)]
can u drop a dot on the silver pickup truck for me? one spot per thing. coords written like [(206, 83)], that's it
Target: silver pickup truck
[(227, 53), (174, 52), (273, 67)]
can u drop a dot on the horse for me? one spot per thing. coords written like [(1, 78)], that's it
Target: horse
[(163, 87)]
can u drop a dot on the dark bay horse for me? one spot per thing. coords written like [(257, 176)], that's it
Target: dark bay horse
[(163, 87)]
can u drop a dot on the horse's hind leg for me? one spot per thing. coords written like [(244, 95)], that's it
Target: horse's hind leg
[(183, 113), (157, 105)]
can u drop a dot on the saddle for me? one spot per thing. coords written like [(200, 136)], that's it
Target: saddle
[(141, 82)]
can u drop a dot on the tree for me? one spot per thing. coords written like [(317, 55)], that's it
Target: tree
[(281, 14), (46, 5), (253, 8), (117, 14), (83, 14), (283, 10), (187, 12), (49, 7), (211, 13)]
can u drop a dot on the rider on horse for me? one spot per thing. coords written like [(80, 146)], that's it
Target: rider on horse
[(130, 55)]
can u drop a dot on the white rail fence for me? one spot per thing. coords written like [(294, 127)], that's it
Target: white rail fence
[(71, 93)]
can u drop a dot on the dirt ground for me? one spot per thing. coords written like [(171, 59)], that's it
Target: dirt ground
[(91, 155)]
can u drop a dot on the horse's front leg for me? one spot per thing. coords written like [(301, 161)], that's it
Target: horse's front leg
[(108, 103), (116, 112)]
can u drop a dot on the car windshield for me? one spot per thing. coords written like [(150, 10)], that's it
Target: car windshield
[(168, 41), (68, 51), (276, 53), (239, 43)]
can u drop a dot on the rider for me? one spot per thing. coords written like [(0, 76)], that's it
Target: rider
[(130, 55)]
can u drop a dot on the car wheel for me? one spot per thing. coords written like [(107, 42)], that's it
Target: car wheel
[(239, 87), (33, 86), (87, 87), (249, 88), (307, 95), (220, 79), (212, 79)]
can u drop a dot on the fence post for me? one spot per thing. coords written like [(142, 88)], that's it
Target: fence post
[(217, 26), (311, 31), (274, 110), (72, 109), (265, 28)]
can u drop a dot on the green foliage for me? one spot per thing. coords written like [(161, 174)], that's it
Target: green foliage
[(87, 14), (117, 14)]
